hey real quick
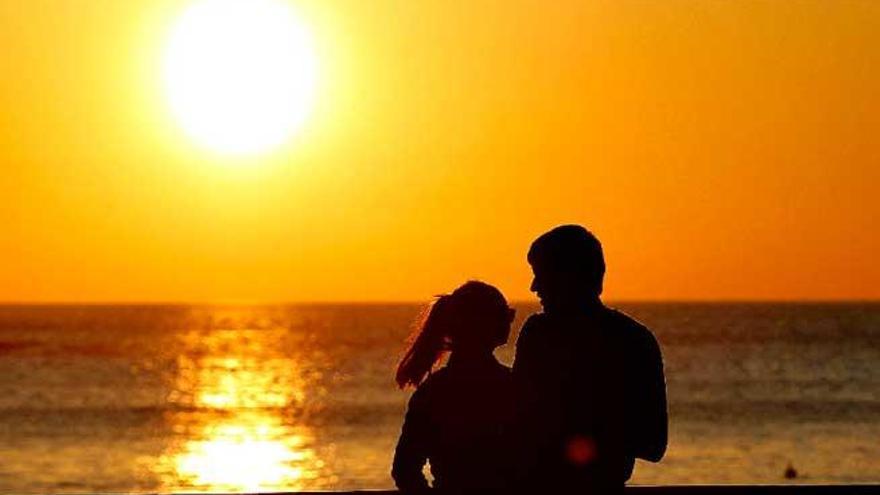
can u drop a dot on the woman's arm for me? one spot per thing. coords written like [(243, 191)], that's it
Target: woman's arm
[(412, 449)]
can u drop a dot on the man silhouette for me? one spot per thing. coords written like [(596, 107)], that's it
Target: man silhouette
[(591, 389)]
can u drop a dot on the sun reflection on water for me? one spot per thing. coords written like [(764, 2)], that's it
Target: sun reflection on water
[(253, 452), (237, 397)]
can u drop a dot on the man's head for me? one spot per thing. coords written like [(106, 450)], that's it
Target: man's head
[(568, 266)]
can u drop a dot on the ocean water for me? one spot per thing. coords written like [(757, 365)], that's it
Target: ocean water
[(263, 398)]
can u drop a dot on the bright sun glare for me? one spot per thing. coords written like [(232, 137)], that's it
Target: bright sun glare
[(240, 74)]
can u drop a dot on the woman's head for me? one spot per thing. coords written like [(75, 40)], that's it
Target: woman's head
[(474, 318)]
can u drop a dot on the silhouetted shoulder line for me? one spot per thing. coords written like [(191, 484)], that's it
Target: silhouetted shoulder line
[(535, 319), (530, 327), (624, 321), (636, 335), (623, 317)]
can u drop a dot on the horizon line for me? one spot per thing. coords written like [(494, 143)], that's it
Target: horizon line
[(391, 302)]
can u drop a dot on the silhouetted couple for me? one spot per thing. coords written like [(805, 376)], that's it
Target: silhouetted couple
[(585, 397)]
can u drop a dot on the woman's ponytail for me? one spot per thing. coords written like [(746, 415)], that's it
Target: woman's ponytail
[(428, 345)]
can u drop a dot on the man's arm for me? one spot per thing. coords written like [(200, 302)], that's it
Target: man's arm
[(651, 420)]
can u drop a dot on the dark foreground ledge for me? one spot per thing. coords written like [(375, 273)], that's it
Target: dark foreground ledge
[(794, 489)]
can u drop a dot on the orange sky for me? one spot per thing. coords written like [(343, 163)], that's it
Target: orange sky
[(721, 150)]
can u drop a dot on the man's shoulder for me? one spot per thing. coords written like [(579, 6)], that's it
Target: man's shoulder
[(618, 318), (614, 319), (628, 327), (532, 333), (534, 323), (535, 320)]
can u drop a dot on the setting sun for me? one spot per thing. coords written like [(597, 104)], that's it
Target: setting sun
[(239, 75), (233, 230)]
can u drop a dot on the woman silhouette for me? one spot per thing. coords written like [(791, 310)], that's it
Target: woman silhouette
[(458, 416)]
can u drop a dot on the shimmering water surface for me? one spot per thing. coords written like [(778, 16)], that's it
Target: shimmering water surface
[(182, 398)]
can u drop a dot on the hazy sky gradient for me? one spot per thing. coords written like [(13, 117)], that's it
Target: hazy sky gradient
[(719, 149)]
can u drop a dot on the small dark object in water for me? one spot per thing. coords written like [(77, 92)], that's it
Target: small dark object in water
[(790, 472)]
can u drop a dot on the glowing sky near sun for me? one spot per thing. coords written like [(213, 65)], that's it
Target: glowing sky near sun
[(240, 74), (719, 149)]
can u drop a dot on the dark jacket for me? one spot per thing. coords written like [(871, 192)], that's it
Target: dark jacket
[(458, 420), (591, 399)]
